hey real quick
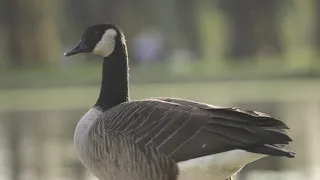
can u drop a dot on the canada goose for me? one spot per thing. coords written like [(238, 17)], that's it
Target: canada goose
[(164, 138)]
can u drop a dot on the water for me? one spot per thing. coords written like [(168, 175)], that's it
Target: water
[(39, 145)]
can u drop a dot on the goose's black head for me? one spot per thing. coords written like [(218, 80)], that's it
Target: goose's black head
[(98, 39)]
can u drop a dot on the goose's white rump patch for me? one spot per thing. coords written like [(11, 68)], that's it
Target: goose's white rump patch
[(217, 166), (107, 43)]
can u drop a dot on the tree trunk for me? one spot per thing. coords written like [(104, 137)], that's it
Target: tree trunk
[(187, 16), (166, 18), (317, 24), (177, 20), (31, 31), (254, 27), (13, 24)]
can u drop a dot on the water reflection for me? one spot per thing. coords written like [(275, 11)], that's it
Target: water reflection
[(38, 145)]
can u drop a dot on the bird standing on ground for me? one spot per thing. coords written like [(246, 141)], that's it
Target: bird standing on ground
[(164, 138)]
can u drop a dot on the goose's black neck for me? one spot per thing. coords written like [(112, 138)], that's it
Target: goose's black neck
[(115, 84)]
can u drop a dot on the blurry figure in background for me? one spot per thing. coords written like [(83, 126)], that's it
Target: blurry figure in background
[(148, 46)]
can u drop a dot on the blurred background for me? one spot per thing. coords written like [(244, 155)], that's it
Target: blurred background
[(255, 54)]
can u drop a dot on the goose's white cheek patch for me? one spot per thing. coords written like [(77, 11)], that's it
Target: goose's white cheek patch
[(107, 43)]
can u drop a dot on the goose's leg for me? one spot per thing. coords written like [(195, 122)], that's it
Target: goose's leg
[(230, 178)]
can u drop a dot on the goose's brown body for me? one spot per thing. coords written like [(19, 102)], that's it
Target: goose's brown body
[(156, 139), (146, 139)]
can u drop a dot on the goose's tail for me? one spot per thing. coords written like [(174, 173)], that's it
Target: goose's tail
[(253, 131)]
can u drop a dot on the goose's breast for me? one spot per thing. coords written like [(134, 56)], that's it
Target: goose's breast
[(216, 167), (81, 136), (97, 162), (110, 157)]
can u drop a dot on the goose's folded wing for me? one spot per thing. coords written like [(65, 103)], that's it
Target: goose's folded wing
[(184, 131), (162, 125), (262, 122)]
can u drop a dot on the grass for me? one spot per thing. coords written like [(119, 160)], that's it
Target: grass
[(79, 74), (219, 93)]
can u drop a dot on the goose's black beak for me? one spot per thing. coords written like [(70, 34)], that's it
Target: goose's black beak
[(80, 47)]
